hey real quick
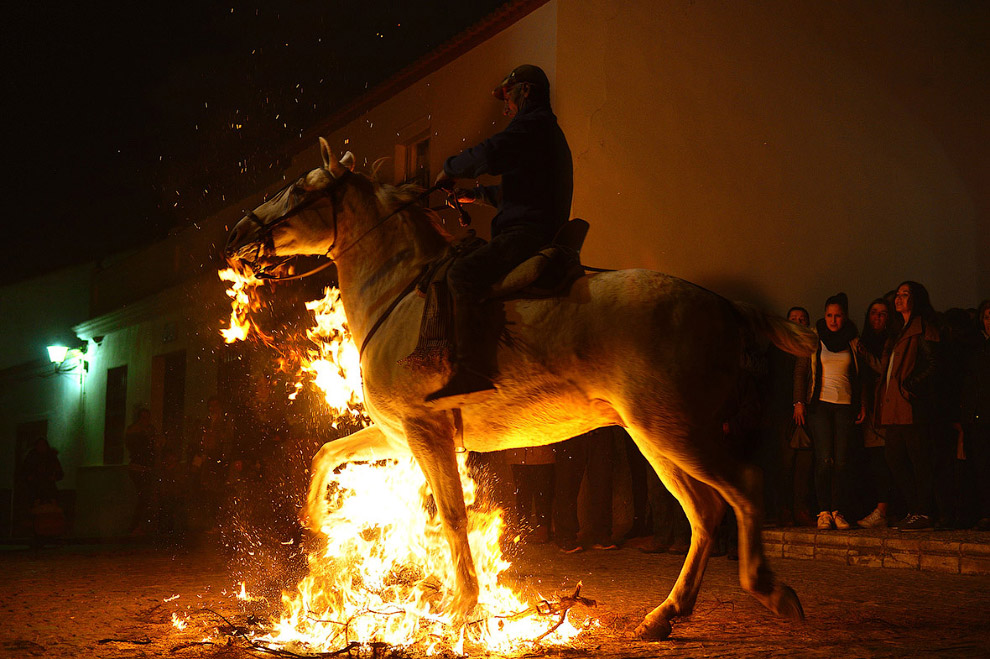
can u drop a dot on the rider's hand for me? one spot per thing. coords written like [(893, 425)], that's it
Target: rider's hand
[(444, 181), (463, 195)]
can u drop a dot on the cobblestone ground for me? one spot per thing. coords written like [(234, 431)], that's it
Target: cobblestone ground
[(62, 602)]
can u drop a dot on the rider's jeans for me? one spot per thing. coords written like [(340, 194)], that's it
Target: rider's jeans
[(472, 275)]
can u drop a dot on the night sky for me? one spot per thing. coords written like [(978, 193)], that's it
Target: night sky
[(124, 120)]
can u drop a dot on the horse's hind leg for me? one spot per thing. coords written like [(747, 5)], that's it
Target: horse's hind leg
[(431, 442), (704, 457), (704, 509)]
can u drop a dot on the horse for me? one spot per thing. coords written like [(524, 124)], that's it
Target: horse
[(649, 352)]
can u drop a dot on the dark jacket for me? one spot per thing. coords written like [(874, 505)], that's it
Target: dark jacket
[(976, 387), (533, 159)]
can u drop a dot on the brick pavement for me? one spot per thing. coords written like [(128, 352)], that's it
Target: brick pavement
[(61, 602)]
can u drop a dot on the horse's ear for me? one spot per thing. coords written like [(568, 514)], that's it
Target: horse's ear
[(347, 160), (325, 153)]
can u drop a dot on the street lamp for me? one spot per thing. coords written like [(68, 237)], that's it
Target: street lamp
[(57, 354), (66, 359)]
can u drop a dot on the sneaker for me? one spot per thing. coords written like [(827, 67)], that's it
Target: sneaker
[(840, 521), (899, 523), (571, 548), (824, 520), (875, 520), (917, 523), (605, 546)]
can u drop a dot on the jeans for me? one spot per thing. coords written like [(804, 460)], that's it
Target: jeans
[(831, 427), (534, 494), (472, 275), (909, 454), (585, 456)]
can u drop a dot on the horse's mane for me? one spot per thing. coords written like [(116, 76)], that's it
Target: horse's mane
[(392, 197)]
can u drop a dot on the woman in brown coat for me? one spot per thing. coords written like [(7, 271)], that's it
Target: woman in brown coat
[(906, 370)]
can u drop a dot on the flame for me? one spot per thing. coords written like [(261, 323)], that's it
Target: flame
[(179, 623), (384, 574), (332, 361), (383, 571), (244, 300)]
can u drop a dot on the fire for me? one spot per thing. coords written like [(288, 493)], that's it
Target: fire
[(332, 360), (178, 622), (383, 571), (384, 574), (244, 300)]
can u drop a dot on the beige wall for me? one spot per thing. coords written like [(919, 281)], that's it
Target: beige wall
[(782, 151), (454, 104)]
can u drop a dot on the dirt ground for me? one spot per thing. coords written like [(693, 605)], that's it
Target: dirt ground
[(100, 601)]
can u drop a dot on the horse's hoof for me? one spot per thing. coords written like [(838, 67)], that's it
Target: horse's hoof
[(653, 630), (785, 603)]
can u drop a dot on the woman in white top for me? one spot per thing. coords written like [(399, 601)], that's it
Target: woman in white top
[(827, 396)]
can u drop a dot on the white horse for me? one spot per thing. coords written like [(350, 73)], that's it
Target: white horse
[(649, 352)]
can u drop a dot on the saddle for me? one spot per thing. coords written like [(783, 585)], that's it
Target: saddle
[(549, 273)]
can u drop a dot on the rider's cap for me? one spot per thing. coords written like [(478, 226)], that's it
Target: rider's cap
[(523, 73)]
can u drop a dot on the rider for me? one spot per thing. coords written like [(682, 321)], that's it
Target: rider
[(534, 201)]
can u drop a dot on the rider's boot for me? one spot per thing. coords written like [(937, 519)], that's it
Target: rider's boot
[(469, 383)]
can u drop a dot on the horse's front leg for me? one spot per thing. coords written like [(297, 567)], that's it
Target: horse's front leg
[(431, 441), (367, 444)]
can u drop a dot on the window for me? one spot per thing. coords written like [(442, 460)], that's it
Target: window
[(412, 153), (115, 416)]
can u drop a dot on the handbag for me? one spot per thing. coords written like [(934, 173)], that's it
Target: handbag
[(799, 437)]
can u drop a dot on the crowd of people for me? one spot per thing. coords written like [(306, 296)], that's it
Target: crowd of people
[(885, 428), (895, 417), (240, 477)]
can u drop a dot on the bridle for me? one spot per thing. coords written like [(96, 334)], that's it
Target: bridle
[(266, 242)]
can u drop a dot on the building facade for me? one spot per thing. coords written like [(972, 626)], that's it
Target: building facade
[(772, 152)]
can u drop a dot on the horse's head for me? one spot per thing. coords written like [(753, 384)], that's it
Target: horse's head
[(301, 219)]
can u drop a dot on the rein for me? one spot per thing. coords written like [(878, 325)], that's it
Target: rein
[(266, 230)]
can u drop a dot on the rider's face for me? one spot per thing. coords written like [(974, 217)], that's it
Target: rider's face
[(514, 97)]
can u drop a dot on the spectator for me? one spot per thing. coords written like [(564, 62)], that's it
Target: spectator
[(589, 455), (211, 460), (671, 529), (787, 463), (40, 471), (875, 335), (640, 473), (906, 370), (827, 387), (141, 448), (532, 475), (976, 414), (956, 348)]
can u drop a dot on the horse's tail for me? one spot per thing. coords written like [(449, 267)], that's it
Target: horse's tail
[(789, 337)]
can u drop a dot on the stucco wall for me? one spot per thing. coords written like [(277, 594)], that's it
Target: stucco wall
[(782, 151), (454, 104)]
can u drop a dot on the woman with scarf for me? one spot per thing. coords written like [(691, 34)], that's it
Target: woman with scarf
[(827, 397)]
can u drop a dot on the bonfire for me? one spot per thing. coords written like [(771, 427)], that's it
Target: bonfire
[(381, 575)]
